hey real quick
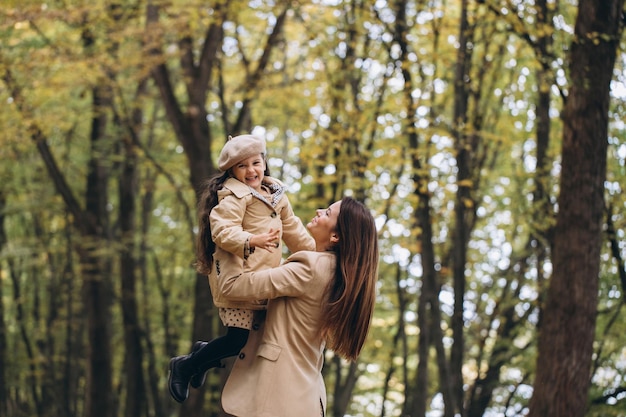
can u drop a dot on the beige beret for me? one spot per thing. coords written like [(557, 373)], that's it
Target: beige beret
[(239, 148)]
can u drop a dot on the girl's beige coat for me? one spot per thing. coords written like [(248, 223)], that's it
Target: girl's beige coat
[(237, 217)]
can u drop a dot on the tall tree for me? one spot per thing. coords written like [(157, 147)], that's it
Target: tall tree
[(567, 330), (465, 208), (4, 409), (135, 401), (429, 311)]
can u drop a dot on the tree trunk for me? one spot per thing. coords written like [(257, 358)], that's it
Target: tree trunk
[(133, 359), (462, 208), (154, 373), (345, 381), (192, 131), (543, 212), (417, 399), (73, 370), (488, 381), (96, 268), (545, 80), (430, 312), (417, 396), (398, 339), (566, 334), (4, 409)]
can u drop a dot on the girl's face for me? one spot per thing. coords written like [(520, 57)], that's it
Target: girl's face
[(323, 226), (250, 171)]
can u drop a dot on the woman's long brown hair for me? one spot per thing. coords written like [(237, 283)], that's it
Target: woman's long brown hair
[(352, 294)]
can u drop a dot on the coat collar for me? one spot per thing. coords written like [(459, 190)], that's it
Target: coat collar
[(239, 189)]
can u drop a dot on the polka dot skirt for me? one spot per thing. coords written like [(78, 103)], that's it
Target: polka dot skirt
[(236, 317)]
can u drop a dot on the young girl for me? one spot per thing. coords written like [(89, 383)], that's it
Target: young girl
[(243, 214)]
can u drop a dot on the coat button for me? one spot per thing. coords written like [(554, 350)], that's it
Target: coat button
[(242, 355), (273, 214), (255, 326)]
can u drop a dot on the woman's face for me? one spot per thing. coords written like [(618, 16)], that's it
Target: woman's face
[(323, 226), (250, 171)]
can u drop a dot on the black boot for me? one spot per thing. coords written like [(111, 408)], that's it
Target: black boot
[(207, 355), (197, 379), (180, 374)]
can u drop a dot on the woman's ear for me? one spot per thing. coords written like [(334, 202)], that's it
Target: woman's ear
[(334, 238)]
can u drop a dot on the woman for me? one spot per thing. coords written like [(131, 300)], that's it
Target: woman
[(317, 300)]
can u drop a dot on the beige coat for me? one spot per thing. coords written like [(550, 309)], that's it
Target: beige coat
[(238, 216), (278, 372)]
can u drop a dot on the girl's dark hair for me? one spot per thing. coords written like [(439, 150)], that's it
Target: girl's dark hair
[(352, 294), (205, 247), (207, 199)]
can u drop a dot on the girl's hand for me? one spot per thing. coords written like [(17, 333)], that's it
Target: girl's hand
[(268, 241)]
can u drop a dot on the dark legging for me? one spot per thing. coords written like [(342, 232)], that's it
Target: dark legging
[(221, 347)]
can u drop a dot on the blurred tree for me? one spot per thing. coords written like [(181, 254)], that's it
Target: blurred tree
[(567, 331), (4, 409)]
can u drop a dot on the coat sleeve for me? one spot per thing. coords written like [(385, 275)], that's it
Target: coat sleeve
[(226, 221), (291, 279), (295, 235)]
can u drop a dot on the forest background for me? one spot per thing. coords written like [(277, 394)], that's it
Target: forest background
[(487, 137)]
